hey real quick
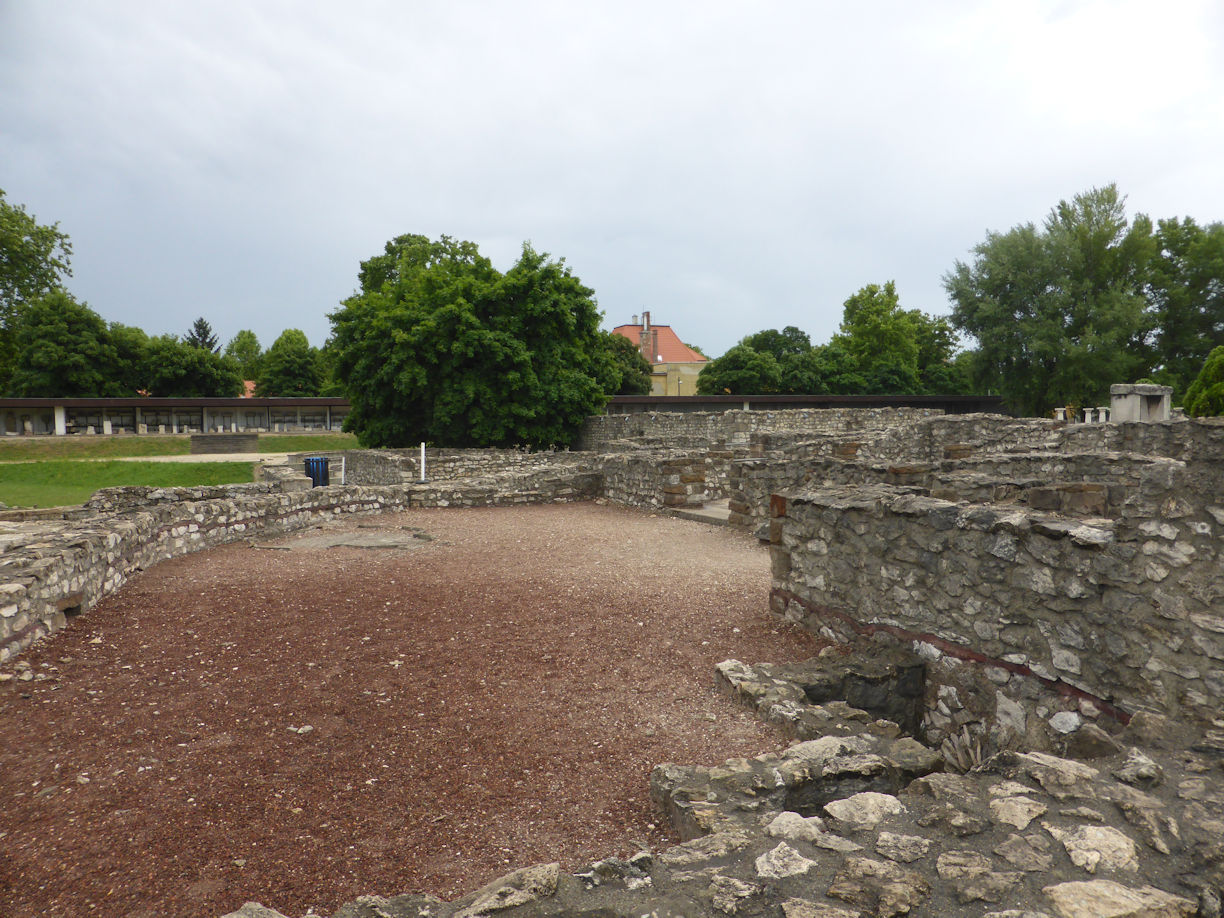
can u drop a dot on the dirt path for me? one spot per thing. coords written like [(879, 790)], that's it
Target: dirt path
[(468, 691)]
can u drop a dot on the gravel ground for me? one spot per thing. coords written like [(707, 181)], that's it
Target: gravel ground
[(414, 702)]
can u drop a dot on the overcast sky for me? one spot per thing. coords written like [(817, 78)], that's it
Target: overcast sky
[(727, 166)]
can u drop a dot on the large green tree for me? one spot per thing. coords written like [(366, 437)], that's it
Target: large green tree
[(789, 342), (743, 370), (439, 345), (63, 350), (1185, 293), (632, 370), (826, 369), (1058, 312), (1205, 397), (245, 350), (34, 260), (882, 339), (128, 375), (291, 368), (176, 369)]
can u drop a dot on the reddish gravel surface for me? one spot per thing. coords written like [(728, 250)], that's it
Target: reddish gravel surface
[(490, 698)]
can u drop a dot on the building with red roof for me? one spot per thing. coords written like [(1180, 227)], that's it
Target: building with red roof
[(674, 366)]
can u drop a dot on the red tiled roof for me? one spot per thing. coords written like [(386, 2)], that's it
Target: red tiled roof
[(667, 349)]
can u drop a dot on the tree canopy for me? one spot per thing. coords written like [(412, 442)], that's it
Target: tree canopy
[(63, 350), (440, 346), (177, 369), (880, 348), (244, 349), (34, 260), (291, 368), (1185, 292), (789, 342), (630, 366), (1205, 397), (1058, 312), (742, 370)]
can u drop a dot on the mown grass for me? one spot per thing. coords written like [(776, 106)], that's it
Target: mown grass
[(59, 482), (29, 449), (301, 443)]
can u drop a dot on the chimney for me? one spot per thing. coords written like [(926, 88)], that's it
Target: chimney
[(635, 321), (646, 321)]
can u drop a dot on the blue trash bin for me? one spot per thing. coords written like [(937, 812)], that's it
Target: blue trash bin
[(318, 471)]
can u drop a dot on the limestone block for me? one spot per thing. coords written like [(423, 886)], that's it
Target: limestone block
[(1107, 899)]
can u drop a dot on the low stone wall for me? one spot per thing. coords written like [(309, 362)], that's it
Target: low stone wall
[(674, 479), (963, 457), (502, 491), (224, 443), (1104, 615), (610, 432)]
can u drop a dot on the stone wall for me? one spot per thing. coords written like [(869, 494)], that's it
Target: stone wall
[(977, 457), (1100, 614), (611, 432), (653, 481)]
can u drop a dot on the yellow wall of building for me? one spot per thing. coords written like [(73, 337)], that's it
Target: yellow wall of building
[(674, 378)]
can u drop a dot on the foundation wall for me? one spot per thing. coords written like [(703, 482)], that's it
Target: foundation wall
[(1100, 614), (607, 433)]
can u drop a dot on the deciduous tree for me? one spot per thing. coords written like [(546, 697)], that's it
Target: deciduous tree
[(633, 369), (741, 371), (440, 346), (881, 339), (244, 349), (791, 341), (63, 350), (290, 368), (1058, 312), (177, 369), (1185, 293), (34, 260), (1205, 397)]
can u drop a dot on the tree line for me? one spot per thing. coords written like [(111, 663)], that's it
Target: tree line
[(879, 349), (52, 346), (1053, 315)]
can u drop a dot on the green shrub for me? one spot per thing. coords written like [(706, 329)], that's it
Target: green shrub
[(1205, 397)]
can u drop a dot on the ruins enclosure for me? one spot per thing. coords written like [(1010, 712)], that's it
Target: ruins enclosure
[(1057, 588)]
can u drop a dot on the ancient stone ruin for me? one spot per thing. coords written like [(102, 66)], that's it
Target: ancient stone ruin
[(1022, 715)]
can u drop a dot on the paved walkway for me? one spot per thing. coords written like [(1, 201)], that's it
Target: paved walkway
[(211, 457)]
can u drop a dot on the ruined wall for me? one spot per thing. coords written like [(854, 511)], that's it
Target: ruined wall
[(985, 458), (673, 479), (1128, 612), (608, 433)]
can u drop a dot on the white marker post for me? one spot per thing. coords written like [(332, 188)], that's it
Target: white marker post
[(422, 461)]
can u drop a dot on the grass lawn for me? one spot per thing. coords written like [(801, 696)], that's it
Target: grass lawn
[(58, 482), (27, 449), (301, 443)]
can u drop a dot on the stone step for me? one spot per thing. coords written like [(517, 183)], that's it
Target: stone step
[(715, 511)]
